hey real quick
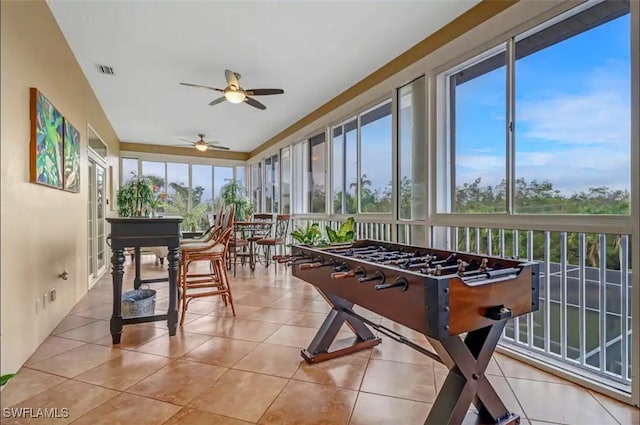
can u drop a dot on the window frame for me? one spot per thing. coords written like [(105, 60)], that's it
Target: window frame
[(445, 141), (309, 174), (177, 159)]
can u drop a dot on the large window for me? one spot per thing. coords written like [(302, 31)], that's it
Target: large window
[(412, 148), (337, 172), (300, 177), (345, 168), (272, 184), (192, 189), (268, 185), (317, 174), (155, 172), (477, 134), (362, 163), (375, 160), (129, 168), (560, 108), (564, 112), (285, 186), (256, 186), (202, 194), (221, 176), (178, 194), (240, 171), (572, 102)]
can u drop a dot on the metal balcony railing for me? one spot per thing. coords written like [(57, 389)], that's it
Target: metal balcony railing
[(584, 323), (585, 316)]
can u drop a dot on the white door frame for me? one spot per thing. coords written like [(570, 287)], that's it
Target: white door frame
[(98, 160)]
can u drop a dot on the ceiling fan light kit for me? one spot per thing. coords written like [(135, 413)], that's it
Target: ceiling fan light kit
[(235, 94), (202, 147)]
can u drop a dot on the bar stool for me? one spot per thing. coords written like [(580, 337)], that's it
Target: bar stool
[(279, 239), (216, 282), (258, 232)]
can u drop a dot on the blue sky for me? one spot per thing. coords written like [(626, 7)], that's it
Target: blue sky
[(572, 115), (572, 120)]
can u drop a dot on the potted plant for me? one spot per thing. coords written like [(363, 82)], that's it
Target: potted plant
[(344, 235), (309, 235), (135, 197), (233, 193)]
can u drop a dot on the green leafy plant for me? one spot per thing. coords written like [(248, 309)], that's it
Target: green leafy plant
[(5, 378), (310, 235), (135, 197), (233, 193), (344, 234)]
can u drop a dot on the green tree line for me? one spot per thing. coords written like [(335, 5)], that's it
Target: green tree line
[(540, 197)]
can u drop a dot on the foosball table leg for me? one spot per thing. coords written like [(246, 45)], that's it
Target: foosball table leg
[(466, 382), (318, 350)]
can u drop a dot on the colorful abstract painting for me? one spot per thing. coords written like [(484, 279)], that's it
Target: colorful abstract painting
[(46, 141), (71, 158)]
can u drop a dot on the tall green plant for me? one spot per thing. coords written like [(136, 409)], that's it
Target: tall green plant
[(233, 193), (135, 197)]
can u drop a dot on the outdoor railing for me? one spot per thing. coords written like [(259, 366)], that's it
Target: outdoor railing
[(584, 318), (584, 323)]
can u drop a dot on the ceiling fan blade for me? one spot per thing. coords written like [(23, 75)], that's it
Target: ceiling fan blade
[(251, 101), (186, 140), (216, 101), (201, 86), (263, 92), (232, 78), (222, 148)]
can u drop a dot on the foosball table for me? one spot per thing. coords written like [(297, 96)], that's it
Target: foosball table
[(461, 302)]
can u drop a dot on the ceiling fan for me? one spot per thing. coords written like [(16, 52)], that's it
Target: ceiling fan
[(236, 94), (202, 145)]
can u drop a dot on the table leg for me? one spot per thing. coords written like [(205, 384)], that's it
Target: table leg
[(172, 314), (117, 260), (137, 281), (252, 260), (466, 382)]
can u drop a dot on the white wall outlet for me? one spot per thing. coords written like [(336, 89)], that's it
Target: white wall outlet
[(44, 301), (52, 295)]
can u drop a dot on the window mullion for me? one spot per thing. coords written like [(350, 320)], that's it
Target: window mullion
[(343, 203), (510, 130), (358, 165)]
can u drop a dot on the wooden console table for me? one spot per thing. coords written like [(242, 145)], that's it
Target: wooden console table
[(139, 232)]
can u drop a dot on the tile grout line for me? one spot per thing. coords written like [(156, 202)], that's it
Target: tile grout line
[(511, 389), (603, 406)]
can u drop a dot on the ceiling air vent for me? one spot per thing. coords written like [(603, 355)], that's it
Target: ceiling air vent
[(104, 69)]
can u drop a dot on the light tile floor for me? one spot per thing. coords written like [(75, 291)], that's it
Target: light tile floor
[(227, 370)]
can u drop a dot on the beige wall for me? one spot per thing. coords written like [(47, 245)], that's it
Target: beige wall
[(43, 230)]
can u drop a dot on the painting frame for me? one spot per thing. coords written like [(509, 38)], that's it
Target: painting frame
[(46, 150), (71, 158)]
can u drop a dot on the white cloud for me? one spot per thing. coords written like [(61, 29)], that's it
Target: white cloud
[(570, 170), (480, 162), (576, 141), (482, 150), (601, 115)]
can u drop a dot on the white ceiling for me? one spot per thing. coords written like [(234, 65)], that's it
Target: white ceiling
[(313, 50)]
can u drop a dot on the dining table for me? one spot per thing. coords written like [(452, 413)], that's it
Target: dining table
[(250, 231)]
